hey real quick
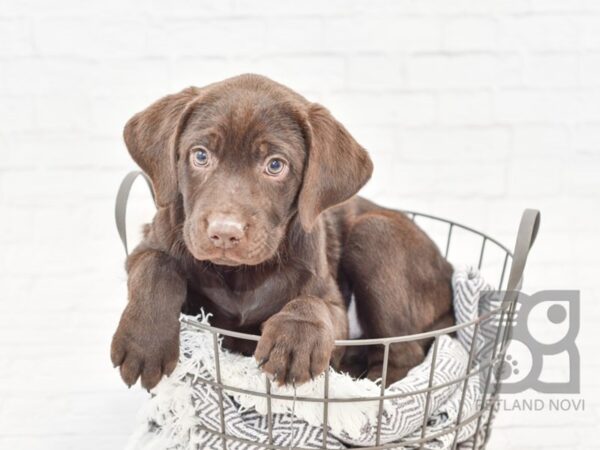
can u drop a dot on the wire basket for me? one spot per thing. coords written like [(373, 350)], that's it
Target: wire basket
[(488, 255)]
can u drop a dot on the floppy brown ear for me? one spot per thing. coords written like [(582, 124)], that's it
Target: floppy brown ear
[(149, 136), (337, 166)]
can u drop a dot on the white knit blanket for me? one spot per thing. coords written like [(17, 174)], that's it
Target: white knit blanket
[(182, 409)]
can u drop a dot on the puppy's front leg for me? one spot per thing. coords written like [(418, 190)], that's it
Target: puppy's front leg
[(146, 342), (296, 344)]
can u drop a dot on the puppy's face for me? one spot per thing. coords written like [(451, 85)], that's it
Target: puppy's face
[(241, 158), (245, 156)]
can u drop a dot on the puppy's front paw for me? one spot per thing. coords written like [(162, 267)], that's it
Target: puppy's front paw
[(293, 349), (146, 350)]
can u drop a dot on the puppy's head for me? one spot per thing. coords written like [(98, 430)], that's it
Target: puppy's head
[(245, 155)]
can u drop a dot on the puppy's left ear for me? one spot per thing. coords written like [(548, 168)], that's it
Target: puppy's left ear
[(150, 137), (337, 166)]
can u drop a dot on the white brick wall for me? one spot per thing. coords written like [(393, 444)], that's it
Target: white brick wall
[(472, 109)]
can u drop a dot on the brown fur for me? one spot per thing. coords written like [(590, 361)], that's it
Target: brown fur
[(308, 244)]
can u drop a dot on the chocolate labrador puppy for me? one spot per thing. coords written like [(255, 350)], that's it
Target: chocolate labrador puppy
[(258, 224)]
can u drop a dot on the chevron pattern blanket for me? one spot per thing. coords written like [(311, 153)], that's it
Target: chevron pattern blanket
[(183, 411)]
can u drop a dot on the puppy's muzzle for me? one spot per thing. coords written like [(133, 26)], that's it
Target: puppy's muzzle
[(225, 231)]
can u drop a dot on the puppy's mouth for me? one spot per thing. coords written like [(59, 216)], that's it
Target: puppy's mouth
[(223, 259), (229, 257)]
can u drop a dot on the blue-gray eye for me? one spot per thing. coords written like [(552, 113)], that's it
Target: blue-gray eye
[(201, 157), (275, 166)]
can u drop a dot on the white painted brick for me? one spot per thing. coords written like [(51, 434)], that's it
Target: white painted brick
[(590, 69), (458, 179), (381, 139), (538, 32), (309, 72), (295, 34), (130, 77), (587, 139), (62, 112), (377, 189), (21, 76), (552, 70), (66, 77), (84, 37), (589, 32), (582, 246), (375, 72), (108, 114), (556, 6), (383, 7), (197, 71), (534, 177), (57, 186), (402, 109), (17, 113), (69, 149), (450, 179), (541, 140), (503, 6), (291, 7), (470, 33), (582, 176), (184, 38), (15, 8), (415, 34), (590, 5), (15, 36), (462, 70), (113, 9), (458, 7), (429, 145), (528, 437), (189, 8), (589, 101), (407, 109), (536, 106), (560, 213), (374, 33), (466, 108), (39, 76)]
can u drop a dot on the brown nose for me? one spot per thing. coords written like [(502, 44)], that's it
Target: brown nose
[(225, 231)]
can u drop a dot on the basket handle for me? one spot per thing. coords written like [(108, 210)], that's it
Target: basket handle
[(528, 230), (121, 203)]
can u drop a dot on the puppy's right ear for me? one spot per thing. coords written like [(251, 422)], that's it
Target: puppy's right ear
[(150, 137)]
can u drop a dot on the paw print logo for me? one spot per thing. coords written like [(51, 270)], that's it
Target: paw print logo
[(509, 368), (516, 365), (545, 327)]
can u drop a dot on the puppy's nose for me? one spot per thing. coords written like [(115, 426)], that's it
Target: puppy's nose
[(225, 231)]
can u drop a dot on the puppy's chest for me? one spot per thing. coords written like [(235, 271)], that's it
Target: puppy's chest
[(239, 300)]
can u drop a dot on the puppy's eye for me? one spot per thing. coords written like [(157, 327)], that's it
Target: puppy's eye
[(200, 157), (275, 167)]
